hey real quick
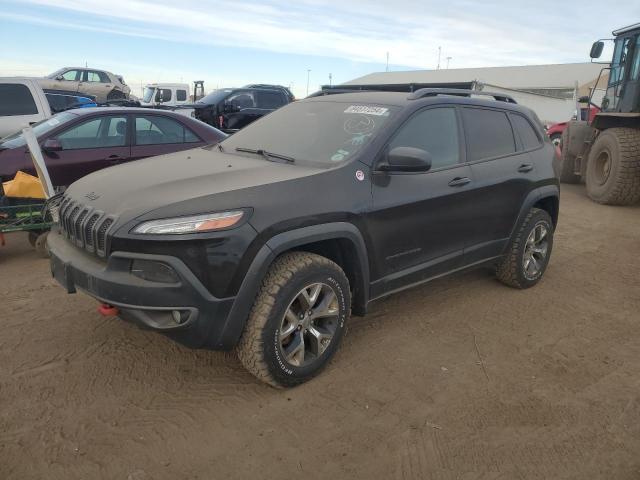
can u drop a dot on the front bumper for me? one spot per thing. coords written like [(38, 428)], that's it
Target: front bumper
[(204, 319)]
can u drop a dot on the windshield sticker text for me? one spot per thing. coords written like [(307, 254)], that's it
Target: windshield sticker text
[(368, 110)]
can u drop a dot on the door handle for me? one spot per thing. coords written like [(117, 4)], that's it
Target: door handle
[(114, 158), (525, 167), (459, 181)]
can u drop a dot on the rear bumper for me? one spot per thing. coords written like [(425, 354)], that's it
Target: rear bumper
[(204, 319)]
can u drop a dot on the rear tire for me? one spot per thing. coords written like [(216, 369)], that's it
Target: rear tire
[(613, 169), (567, 161), (529, 252), (297, 321)]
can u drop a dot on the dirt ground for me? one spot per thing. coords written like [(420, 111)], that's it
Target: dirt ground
[(460, 379)]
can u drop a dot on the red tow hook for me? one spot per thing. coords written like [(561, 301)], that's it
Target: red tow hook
[(107, 310)]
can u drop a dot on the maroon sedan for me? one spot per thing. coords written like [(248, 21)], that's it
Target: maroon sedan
[(77, 142)]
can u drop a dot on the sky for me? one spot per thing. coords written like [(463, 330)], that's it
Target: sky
[(230, 43)]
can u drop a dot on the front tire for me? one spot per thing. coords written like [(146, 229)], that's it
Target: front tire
[(613, 170), (529, 252), (297, 321)]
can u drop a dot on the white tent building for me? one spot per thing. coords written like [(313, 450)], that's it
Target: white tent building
[(549, 90)]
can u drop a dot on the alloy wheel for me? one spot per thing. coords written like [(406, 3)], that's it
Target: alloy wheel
[(535, 251)]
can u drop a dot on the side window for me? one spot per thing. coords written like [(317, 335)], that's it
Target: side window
[(635, 66), (16, 99), (109, 131), (488, 133), (181, 95), (242, 100), (164, 94), (434, 130), (157, 130), (91, 76), (70, 75), (270, 100), (530, 139)]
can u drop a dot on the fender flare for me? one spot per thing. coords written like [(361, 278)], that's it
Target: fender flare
[(533, 197), (283, 242)]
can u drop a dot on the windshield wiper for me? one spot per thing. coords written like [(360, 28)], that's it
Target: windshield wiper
[(267, 155)]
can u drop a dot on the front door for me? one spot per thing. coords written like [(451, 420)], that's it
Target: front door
[(91, 145), (418, 223)]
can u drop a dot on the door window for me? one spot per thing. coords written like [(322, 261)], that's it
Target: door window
[(71, 75), (16, 99), (181, 95), (530, 139), (97, 77), (635, 65), (242, 100), (109, 131), (158, 130), (270, 100), (488, 133), (434, 130)]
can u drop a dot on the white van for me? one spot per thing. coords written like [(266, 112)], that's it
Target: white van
[(165, 94), (22, 103)]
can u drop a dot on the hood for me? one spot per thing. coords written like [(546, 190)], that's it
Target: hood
[(188, 182)]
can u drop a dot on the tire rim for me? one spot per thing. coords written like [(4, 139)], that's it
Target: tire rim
[(602, 167), (535, 251), (309, 324)]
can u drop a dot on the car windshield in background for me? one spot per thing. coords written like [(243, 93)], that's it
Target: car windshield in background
[(314, 132), (148, 94), (215, 96), (41, 128)]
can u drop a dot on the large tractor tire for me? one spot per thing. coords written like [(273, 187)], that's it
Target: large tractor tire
[(613, 169), (567, 160)]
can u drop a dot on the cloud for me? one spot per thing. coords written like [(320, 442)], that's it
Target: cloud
[(495, 33)]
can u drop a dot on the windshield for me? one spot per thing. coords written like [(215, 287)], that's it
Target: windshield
[(215, 96), (148, 94), (41, 128), (56, 73), (319, 132)]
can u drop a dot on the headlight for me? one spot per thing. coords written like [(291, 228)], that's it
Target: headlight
[(193, 224)]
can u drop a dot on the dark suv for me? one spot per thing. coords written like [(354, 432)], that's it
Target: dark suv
[(231, 109), (268, 241)]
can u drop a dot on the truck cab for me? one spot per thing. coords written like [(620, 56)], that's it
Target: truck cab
[(165, 94), (22, 103)]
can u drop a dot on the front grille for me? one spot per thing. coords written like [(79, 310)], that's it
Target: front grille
[(84, 226)]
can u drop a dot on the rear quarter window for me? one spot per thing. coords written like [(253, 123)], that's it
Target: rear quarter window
[(528, 136), (16, 99), (488, 133)]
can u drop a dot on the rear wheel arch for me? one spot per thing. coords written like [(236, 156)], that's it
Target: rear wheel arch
[(551, 205)]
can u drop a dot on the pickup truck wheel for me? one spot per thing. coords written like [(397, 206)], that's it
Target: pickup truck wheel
[(297, 321), (529, 252)]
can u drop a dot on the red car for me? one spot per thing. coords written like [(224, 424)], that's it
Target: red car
[(77, 142), (555, 131)]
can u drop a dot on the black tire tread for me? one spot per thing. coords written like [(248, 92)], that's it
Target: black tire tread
[(507, 269), (626, 190), (250, 348), (567, 161)]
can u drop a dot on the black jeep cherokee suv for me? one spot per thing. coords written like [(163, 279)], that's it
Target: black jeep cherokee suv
[(268, 241)]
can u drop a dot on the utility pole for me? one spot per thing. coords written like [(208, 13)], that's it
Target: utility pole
[(448, 59), (329, 79), (439, 53), (387, 62), (308, 73)]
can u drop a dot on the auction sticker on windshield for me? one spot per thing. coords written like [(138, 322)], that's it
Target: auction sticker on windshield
[(367, 110)]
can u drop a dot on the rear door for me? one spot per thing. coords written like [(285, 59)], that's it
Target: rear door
[(87, 146), (159, 134), (503, 171), (418, 224)]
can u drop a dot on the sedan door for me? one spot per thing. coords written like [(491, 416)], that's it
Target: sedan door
[(89, 145), (419, 221), (160, 134)]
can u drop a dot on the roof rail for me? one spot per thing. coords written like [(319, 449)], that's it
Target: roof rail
[(433, 92), (335, 91)]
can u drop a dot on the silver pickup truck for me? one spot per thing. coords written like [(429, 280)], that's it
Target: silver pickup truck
[(22, 103)]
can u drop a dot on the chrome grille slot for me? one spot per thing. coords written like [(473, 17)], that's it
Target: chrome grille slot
[(83, 226)]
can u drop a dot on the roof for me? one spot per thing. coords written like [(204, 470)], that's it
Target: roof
[(517, 77), (382, 98), (88, 111)]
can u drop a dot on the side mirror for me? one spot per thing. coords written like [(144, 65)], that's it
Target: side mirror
[(583, 99), (407, 159), (59, 77), (596, 49), (230, 108), (52, 145)]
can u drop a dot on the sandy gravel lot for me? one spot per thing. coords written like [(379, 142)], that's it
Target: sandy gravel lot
[(460, 379)]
